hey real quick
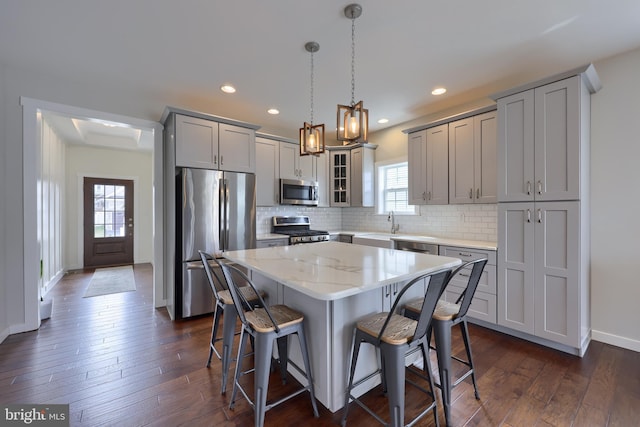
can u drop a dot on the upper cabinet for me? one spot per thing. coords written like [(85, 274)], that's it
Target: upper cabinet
[(351, 175), (453, 160), (267, 172), (541, 140), (428, 164), (205, 143), (295, 166), (472, 159)]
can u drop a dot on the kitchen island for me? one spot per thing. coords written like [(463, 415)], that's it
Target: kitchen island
[(335, 284)]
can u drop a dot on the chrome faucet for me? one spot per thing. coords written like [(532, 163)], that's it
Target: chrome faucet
[(394, 227)]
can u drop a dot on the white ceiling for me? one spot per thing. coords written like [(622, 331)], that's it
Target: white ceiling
[(183, 51)]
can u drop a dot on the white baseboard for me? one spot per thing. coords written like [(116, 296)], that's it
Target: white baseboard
[(618, 341), (3, 335)]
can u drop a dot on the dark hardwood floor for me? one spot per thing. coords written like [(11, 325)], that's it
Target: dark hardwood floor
[(118, 361)]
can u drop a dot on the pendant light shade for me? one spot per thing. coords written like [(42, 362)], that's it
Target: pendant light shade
[(311, 136), (352, 120)]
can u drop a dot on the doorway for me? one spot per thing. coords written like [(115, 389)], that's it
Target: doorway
[(108, 222)]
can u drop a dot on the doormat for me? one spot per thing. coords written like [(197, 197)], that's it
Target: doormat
[(111, 280)]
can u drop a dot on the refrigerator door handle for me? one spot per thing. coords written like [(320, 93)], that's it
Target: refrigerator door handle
[(226, 215), (221, 214)]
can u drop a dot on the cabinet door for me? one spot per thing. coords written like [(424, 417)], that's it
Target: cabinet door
[(322, 176), (485, 158), (306, 167), (515, 147), (196, 142), (461, 161), (289, 154), (417, 166), (557, 140), (557, 288), (267, 172), (356, 177), (437, 169), (237, 149), (340, 177), (516, 266)]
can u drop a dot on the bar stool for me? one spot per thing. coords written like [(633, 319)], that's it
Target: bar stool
[(266, 325), (224, 307), (445, 317), (395, 337)]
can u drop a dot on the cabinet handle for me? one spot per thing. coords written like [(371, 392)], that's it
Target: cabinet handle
[(471, 193), (528, 215), (387, 293), (528, 188), (539, 187), (464, 274), (477, 193), (221, 160), (215, 159), (465, 254), (429, 195), (424, 195), (540, 215)]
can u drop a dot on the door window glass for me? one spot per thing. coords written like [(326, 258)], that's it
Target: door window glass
[(108, 211)]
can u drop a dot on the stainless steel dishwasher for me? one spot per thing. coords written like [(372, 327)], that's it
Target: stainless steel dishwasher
[(413, 246)]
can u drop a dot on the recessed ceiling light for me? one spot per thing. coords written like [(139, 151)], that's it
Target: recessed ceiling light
[(438, 91), (273, 111), (383, 121), (227, 89)]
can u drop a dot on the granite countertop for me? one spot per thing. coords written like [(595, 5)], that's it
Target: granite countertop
[(333, 270)]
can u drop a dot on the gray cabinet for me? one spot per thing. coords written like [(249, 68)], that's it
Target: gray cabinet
[(484, 304), (472, 159), (541, 155), (351, 176), (207, 144), (543, 230), (428, 164), (541, 271), (267, 172)]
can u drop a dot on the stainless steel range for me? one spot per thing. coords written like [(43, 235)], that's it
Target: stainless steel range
[(298, 229)]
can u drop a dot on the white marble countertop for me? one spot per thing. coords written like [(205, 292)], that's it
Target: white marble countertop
[(333, 270)]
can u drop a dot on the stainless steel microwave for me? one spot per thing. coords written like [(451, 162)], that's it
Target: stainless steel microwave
[(298, 192)]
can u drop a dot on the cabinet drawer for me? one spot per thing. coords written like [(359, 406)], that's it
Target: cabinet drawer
[(466, 254), (271, 243), (487, 282), (483, 305)]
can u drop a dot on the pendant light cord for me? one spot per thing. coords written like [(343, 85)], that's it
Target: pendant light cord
[(353, 61), (311, 89)]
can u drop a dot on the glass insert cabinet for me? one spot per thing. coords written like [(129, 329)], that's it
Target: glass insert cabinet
[(351, 175)]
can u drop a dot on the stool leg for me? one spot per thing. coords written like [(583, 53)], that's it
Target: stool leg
[(238, 370), (214, 332), (467, 346), (355, 345), (426, 366), (228, 331), (283, 355), (262, 358), (442, 335), (394, 370), (307, 367)]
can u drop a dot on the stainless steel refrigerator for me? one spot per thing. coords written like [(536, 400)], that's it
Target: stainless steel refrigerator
[(216, 212)]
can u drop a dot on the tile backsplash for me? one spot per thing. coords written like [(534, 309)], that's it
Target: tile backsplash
[(469, 222)]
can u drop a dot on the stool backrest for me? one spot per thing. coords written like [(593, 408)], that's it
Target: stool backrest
[(217, 283), (472, 283), (232, 274), (437, 282)]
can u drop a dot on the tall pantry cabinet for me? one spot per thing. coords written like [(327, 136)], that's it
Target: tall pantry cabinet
[(543, 209)]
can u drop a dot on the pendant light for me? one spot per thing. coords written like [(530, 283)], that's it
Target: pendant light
[(352, 120), (311, 136)]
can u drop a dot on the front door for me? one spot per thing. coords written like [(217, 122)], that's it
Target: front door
[(108, 222)]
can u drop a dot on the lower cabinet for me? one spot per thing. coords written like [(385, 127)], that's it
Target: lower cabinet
[(542, 271), (484, 304)]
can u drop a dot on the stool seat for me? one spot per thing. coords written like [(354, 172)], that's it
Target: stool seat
[(399, 330), (283, 316), (247, 292), (444, 310)]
